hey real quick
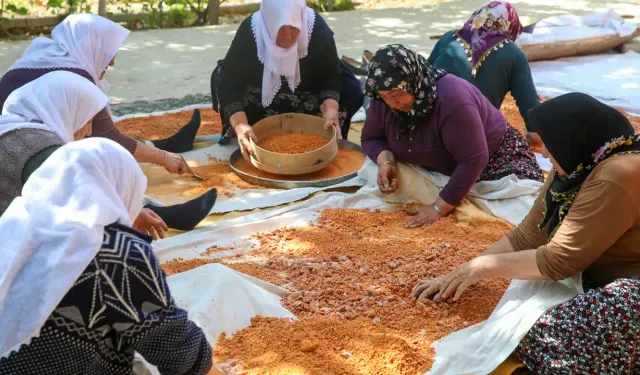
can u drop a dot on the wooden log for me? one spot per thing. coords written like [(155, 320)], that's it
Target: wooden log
[(570, 48)]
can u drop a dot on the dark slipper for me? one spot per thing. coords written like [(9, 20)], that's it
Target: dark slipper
[(367, 56), (354, 66)]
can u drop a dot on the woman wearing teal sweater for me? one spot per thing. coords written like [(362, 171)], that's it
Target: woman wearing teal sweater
[(483, 52)]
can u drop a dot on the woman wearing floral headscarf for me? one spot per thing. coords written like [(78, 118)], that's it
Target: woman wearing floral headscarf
[(586, 221), (483, 52), (425, 117)]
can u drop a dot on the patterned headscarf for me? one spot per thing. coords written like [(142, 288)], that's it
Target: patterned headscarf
[(395, 67), (489, 28), (579, 132)]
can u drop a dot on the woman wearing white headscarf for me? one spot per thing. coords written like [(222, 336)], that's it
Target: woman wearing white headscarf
[(86, 44), (283, 59), (41, 116), (80, 290)]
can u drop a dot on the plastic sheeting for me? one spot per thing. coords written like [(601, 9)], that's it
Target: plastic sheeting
[(613, 79), (570, 27)]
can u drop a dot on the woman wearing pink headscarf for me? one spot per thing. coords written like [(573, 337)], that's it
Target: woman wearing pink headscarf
[(483, 52)]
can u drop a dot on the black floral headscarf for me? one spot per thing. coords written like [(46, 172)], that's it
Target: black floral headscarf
[(579, 132), (395, 67)]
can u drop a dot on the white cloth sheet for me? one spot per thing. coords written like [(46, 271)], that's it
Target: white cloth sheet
[(613, 79), (221, 300), (226, 300), (509, 199), (570, 27)]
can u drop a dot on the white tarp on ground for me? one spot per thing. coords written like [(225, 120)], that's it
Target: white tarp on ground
[(570, 27), (613, 79), (248, 199), (234, 232), (221, 300), (509, 199), (479, 349)]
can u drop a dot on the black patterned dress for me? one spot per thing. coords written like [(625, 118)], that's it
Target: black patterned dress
[(120, 305), (597, 332)]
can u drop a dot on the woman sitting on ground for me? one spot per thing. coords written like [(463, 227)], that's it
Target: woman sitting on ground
[(41, 116), (586, 220), (86, 44), (283, 59), (484, 53), (81, 291), (425, 117)]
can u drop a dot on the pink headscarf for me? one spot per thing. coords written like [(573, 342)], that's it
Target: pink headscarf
[(489, 28)]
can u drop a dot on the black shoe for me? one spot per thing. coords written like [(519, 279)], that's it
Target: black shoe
[(182, 141), (187, 215), (355, 67)]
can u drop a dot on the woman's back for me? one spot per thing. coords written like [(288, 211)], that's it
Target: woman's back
[(120, 305), (505, 70), (17, 148)]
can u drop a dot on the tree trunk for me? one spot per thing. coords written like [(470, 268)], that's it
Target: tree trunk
[(214, 12), (102, 8), (330, 5)]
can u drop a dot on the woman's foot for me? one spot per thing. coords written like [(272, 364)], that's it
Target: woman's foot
[(182, 141), (187, 215)]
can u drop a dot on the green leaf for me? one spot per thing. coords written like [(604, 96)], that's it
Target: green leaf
[(54, 4)]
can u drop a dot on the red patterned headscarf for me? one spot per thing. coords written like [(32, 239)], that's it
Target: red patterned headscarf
[(489, 28)]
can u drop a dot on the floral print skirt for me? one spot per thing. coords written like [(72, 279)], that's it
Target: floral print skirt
[(594, 333), (515, 157)]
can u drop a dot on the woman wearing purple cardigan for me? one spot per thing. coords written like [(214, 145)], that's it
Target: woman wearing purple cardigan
[(426, 117)]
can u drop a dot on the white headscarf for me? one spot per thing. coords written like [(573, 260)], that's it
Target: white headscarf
[(54, 230), (279, 62), (61, 102), (82, 41)]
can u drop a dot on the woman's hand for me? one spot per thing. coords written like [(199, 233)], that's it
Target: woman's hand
[(149, 222), (533, 139), (176, 164), (452, 285), (388, 178), (245, 135), (425, 216), (330, 114), (332, 119)]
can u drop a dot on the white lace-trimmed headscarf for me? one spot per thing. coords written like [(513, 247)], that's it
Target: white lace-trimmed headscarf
[(61, 102), (54, 230), (280, 62), (82, 41)]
